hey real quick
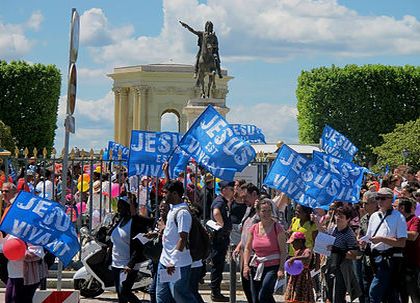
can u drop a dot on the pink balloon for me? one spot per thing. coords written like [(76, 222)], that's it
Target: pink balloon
[(295, 269), (115, 190), (14, 249)]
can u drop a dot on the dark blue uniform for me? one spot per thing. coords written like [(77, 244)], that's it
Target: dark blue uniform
[(220, 244)]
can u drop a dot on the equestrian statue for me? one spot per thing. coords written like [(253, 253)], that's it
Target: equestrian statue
[(207, 60)]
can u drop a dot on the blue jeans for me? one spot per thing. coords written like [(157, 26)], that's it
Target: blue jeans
[(358, 271), (383, 285), (262, 291), (179, 291), (195, 277)]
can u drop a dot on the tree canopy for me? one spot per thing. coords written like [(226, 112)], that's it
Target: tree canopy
[(401, 146), (29, 95), (361, 102)]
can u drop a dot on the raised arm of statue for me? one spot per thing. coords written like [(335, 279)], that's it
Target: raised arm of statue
[(189, 28)]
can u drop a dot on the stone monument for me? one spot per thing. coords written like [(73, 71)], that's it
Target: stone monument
[(144, 93)]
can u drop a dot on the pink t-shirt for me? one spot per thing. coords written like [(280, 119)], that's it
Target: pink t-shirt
[(266, 245)]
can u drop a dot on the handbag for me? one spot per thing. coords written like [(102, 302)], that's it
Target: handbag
[(153, 249)]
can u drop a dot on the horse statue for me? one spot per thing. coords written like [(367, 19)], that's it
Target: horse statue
[(207, 59), (206, 68)]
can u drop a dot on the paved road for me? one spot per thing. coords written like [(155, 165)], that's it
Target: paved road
[(112, 297)]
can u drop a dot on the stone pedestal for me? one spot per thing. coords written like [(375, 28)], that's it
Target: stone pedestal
[(195, 107)]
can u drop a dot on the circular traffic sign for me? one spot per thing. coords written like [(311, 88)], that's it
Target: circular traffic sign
[(74, 36), (72, 87)]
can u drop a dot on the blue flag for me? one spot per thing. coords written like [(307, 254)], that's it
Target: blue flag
[(249, 133), (44, 223), (284, 173), (321, 187), (336, 144), (349, 174), (116, 148), (178, 162), (213, 144), (149, 150), (387, 169)]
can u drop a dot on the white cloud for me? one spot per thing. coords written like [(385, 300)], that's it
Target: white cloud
[(96, 31), (270, 30), (94, 122), (35, 21), (277, 121), (92, 74), (14, 42)]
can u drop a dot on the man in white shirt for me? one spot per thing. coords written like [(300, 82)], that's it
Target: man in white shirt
[(175, 259), (387, 231), (44, 188)]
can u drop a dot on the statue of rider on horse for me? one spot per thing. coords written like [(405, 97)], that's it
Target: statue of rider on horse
[(207, 59)]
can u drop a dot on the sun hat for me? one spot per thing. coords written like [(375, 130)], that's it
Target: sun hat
[(385, 191), (297, 235)]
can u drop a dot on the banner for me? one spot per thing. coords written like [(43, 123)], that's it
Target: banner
[(349, 174), (149, 150), (322, 187), (116, 148), (212, 143), (336, 144), (316, 183), (248, 132), (42, 222), (284, 173)]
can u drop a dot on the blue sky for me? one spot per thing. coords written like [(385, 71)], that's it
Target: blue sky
[(264, 44)]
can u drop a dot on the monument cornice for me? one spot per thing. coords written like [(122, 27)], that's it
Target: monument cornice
[(172, 90)]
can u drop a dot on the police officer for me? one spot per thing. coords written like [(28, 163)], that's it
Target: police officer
[(220, 243)]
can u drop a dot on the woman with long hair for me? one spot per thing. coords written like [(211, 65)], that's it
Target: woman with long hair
[(267, 239)]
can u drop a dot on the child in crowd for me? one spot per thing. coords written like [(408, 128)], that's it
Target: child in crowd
[(300, 288)]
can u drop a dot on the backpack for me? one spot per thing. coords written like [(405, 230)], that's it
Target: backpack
[(198, 238)]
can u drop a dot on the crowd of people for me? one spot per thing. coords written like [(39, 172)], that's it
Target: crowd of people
[(375, 256)]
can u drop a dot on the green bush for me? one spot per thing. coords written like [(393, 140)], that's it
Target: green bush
[(361, 102), (29, 95)]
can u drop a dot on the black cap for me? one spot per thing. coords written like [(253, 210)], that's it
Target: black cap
[(223, 184)]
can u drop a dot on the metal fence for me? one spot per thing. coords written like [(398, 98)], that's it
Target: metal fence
[(91, 180)]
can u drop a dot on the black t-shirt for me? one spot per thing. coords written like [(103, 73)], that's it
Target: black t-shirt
[(237, 212), (222, 205)]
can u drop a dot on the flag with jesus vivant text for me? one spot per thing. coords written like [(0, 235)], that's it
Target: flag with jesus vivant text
[(116, 149), (314, 183), (214, 145), (300, 179), (349, 176), (149, 150), (44, 223), (249, 133), (284, 173), (336, 144)]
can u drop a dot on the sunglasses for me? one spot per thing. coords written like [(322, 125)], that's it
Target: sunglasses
[(383, 198), (4, 191)]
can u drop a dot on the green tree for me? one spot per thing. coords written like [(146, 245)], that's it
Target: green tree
[(6, 139), (361, 102), (405, 137), (29, 95)]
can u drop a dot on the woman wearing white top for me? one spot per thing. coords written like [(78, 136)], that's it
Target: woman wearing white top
[(126, 252)]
